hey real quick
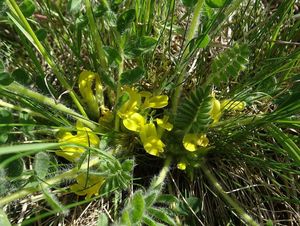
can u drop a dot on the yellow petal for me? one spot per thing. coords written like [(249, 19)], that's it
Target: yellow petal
[(88, 186), (148, 130), (181, 165), (164, 123), (131, 105), (154, 146), (233, 105), (192, 141), (91, 90), (156, 102), (84, 137), (202, 140), (215, 112), (134, 122)]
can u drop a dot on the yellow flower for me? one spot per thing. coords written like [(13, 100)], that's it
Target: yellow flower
[(233, 105), (131, 105), (83, 137), (215, 112), (192, 141), (159, 101), (134, 122), (181, 165), (218, 107), (87, 186), (164, 123), (152, 144), (86, 81)]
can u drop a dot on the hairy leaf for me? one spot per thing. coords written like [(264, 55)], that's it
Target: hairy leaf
[(229, 63), (193, 113)]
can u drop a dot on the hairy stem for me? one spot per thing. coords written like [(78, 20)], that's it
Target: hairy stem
[(163, 173), (190, 35), (23, 91), (29, 190)]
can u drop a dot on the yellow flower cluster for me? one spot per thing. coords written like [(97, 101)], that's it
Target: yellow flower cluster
[(84, 137), (192, 141), (219, 106), (130, 113), (88, 82), (88, 185)]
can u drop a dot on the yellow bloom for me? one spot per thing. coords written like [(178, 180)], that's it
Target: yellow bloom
[(152, 144), (134, 122), (181, 165), (131, 105), (215, 112), (218, 107), (83, 137), (233, 105), (192, 141), (87, 186), (164, 123), (159, 101), (93, 100)]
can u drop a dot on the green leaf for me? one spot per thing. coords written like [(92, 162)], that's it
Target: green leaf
[(193, 113), (21, 76), (189, 3), (74, 6), (132, 76), (125, 19), (27, 7), (229, 63), (137, 46), (138, 207), (5, 116), (150, 222), (125, 218), (52, 200), (216, 3), (5, 79), (1, 66), (201, 42), (113, 55), (41, 164), (3, 137), (161, 215), (3, 219), (167, 199), (28, 147), (41, 34), (127, 165), (14, 168), (151, 198), (146, 43), (102, 220), (286, 142)]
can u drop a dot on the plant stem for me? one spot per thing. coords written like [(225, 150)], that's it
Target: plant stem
[(233, 203), (120, 71), (23, 91), (35, 41), (29, 190), (162, 174), (190, 35), (95, 35)]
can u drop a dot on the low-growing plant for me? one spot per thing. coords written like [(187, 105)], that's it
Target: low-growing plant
[(169, 112)]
